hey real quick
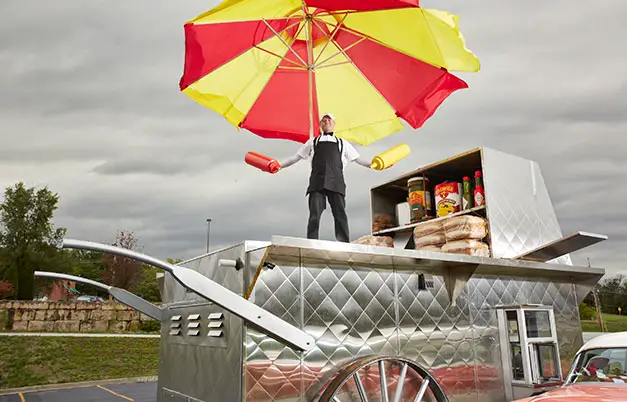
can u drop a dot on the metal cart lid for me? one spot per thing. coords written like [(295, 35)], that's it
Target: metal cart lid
[(456, 269), (407, 258)]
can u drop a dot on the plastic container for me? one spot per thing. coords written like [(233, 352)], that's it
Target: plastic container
[(388, 158), (403, 215), (262, 162)]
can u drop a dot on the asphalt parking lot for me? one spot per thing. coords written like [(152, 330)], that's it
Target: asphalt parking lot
[(138, 392)]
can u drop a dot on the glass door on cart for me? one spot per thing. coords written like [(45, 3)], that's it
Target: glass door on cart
[(529, 349)]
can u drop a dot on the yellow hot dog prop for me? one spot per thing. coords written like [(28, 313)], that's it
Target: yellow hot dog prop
[(388, 158)]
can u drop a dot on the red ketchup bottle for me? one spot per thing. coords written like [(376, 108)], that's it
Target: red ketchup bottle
[(479, 193), (262, 162)]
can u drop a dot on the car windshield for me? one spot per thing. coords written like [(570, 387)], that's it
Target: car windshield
[(600, 365)]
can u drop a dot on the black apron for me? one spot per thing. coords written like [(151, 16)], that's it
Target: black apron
[(326, 167)]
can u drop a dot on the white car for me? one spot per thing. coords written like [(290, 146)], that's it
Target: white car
[(89, 299), (598, 373)]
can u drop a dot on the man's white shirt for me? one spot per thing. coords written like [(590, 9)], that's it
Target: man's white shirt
[(349, 153)]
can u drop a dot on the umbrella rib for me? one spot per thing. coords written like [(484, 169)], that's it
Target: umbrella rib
[(287, 27), (300, 29), (299, 68), (378, 42), (363, 75), (337, 45), (338, 12), (280, 57), (343, 51), (232, 106), (285, 43), (334, 64), (335, 31), (278, 32), (330, 40), (321, 64), (360, 34)]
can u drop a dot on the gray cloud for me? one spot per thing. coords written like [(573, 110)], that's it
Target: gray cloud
[(171, 167), (89, 105)]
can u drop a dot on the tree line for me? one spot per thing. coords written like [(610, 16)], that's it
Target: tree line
[(29, 242), (611, 295)]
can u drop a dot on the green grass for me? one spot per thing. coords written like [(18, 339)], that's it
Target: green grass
[(28, 361), (612, 322)]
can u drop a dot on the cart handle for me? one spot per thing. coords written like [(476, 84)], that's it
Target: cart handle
[(214, 292), (121, 295)]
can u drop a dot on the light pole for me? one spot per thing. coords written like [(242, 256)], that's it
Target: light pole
[(208, 230)]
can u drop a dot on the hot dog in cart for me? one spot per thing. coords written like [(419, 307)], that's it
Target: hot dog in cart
[(295, 319)]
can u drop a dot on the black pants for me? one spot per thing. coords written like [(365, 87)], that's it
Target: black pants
[(317, 204)]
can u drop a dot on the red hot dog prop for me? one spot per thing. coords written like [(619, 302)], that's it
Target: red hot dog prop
[(262, 162)]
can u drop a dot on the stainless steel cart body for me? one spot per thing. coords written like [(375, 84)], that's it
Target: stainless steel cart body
[(307, 320), (357, 301), (451, 314)]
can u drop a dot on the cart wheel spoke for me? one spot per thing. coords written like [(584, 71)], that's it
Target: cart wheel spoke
[(422, 390), (401, 383), (408, 376), (384, 384), (360, 388)]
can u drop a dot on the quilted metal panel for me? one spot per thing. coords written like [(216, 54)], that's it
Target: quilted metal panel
[(521, 214), (350, 311), (549, 225), (273, 371), (567, 323), (355, 310), (437, 335)]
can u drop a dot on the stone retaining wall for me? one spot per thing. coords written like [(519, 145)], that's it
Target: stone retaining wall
[(30, 316)]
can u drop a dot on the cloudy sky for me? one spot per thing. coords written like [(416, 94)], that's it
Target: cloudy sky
[(90, 106)]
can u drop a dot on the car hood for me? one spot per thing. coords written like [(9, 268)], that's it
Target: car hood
[(593, 392)]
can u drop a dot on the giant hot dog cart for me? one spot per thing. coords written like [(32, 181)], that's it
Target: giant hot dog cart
[(293, 319)]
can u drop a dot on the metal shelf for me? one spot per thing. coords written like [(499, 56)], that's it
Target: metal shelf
[(405, 228), (455, 269)]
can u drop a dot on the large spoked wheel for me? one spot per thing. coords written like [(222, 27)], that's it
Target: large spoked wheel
[(383, 379)]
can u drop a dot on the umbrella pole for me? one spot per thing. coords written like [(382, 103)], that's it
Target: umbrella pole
[(310, 72)]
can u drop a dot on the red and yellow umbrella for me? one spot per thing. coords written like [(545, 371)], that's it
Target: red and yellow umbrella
[(272, 66)]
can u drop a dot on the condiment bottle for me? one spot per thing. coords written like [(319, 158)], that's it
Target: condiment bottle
[(467, 200), (479, 193)]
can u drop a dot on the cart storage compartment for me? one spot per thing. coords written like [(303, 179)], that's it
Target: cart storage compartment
[(433, 233)]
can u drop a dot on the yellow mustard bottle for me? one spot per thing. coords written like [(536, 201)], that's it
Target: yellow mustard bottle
[(388, 158)]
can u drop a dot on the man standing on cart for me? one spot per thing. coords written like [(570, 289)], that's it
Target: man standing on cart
[(326, 181)]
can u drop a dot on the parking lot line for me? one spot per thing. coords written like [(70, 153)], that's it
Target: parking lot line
[(114, 393)]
